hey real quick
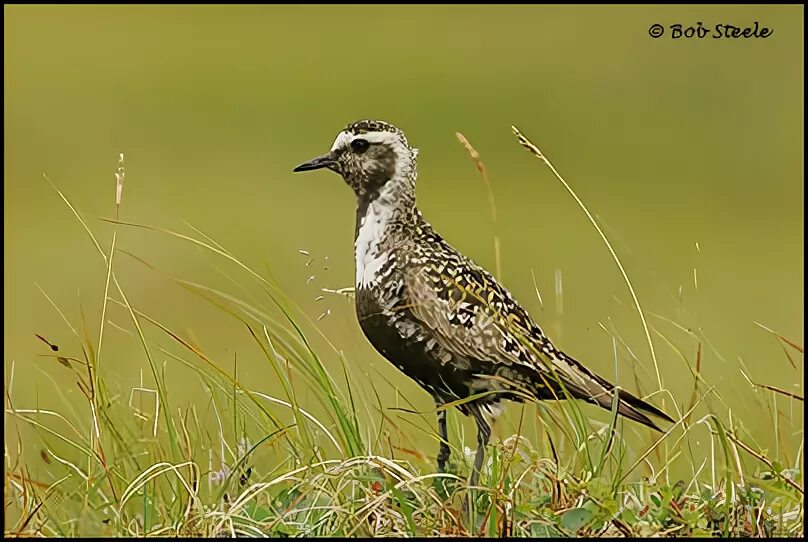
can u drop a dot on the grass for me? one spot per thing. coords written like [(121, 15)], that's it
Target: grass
[(139, 462)]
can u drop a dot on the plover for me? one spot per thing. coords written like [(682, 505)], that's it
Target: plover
[(444, 321)]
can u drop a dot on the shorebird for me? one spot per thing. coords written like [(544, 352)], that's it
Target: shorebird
[(443, 320)]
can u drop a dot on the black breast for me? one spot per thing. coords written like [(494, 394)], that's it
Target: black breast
[(403, 342)]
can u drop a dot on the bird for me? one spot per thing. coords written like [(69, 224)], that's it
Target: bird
[(440, 318)]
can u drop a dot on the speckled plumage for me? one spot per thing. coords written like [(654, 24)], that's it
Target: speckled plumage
[(441, 319)]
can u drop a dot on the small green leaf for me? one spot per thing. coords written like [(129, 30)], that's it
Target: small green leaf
[(283, 530), (257, 513), (576, 518), (544, 531)]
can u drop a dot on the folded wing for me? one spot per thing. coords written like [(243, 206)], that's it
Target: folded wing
[(475, 318)]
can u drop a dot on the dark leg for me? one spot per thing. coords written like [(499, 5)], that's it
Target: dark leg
[(444, 451), (483, 435)]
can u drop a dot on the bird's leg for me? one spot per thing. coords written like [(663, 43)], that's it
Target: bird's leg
[(444, 451), (483, 435)]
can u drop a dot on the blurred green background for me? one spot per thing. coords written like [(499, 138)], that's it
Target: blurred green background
[(671, 143)]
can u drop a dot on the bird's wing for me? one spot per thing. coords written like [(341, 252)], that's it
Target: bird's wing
[(474, 317)]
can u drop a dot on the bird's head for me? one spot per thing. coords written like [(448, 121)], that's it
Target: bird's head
[(370, 154)]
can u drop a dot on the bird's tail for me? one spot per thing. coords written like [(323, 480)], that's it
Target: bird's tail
[(601, 392)]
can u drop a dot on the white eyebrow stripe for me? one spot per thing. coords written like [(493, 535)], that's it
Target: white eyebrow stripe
[(379, 137), (342, 139)]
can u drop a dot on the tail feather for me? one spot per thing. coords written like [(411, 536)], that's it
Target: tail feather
[(601, 392), (633, 408)]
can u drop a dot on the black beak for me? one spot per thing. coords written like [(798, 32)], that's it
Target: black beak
[(326, 160)]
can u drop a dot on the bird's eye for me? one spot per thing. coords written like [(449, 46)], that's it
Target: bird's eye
[(359, 145)]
